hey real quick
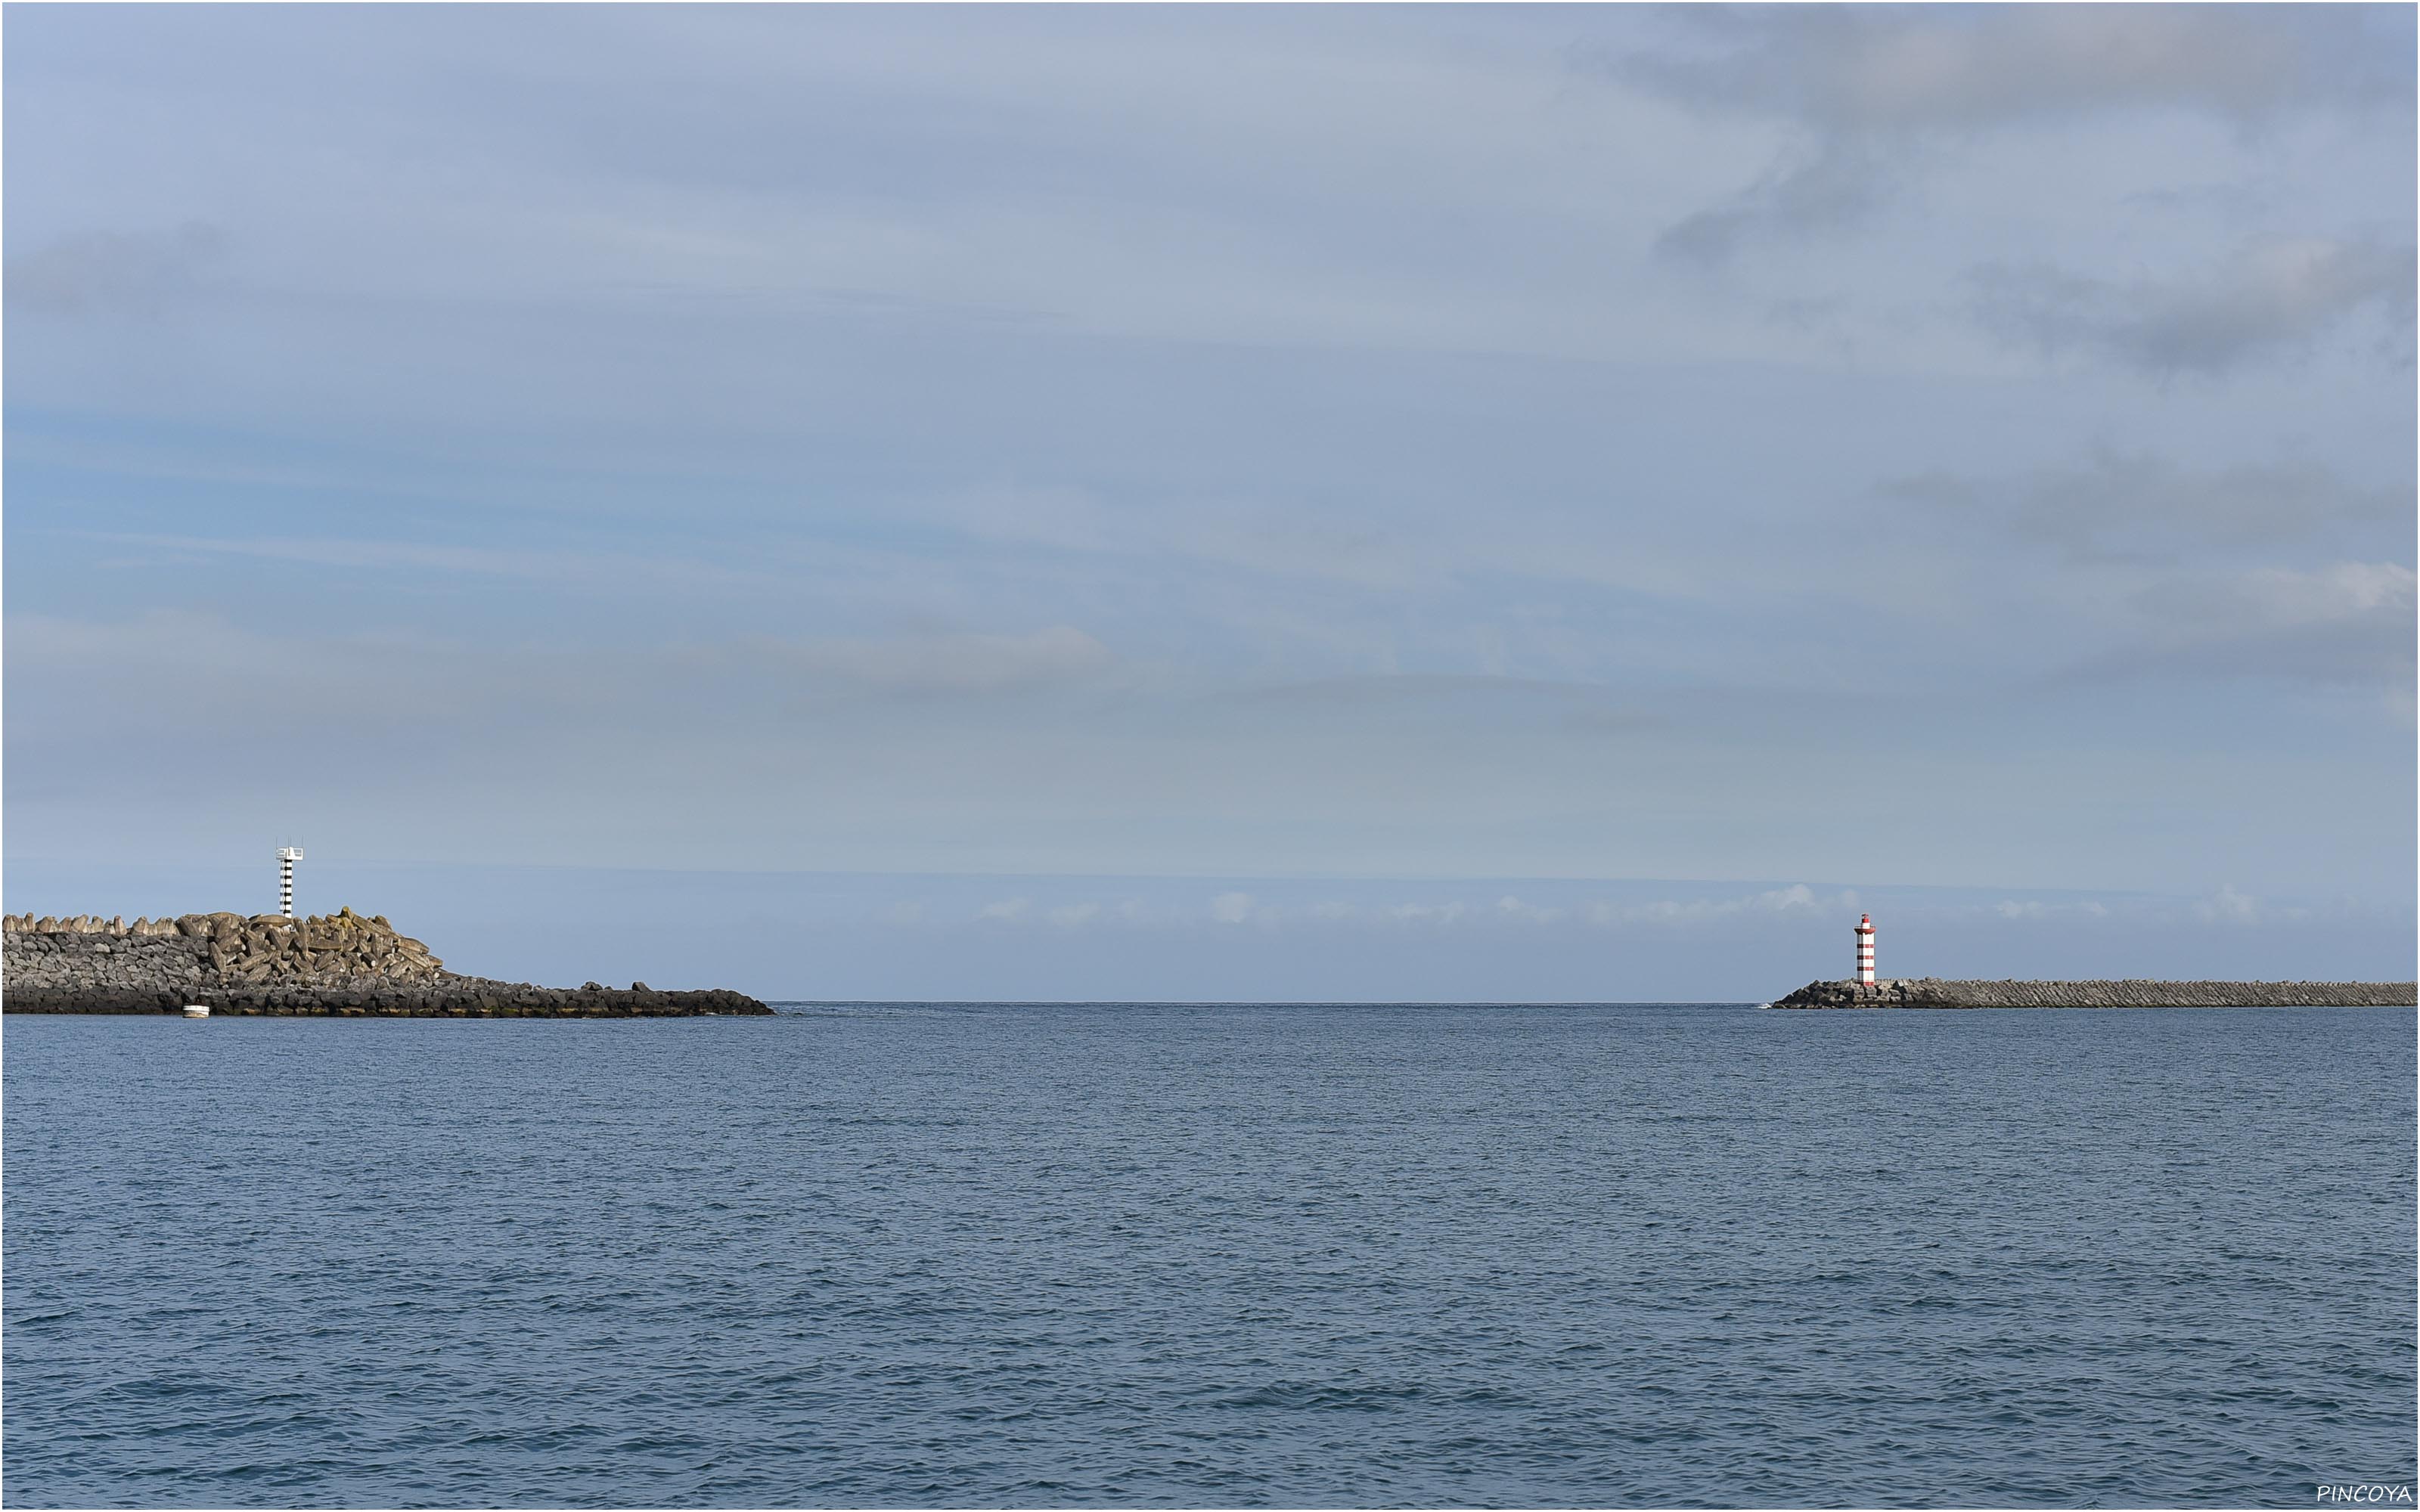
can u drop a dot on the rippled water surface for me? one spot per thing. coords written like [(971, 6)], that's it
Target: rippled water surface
[(1218, 1256)]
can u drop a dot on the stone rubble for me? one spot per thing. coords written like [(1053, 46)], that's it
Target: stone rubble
[(336, 965), (1935, 991)]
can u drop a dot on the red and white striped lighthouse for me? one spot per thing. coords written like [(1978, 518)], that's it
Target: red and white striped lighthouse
[(1865, 949)]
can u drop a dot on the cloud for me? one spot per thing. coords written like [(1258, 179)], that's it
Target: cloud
[(1870, 90), (219, 683), (2135, 504), (1512, 907), (2274, 298), (1897, 70), (113, 272), (1232, 907), (1822, 189), (1218, 532), (1023, 910), (996, 589), (2348, 624), (2228, 906), (1798, 898), (2280, 598), (2034, 908), (590, 568), (953, 663), (1457, 699)]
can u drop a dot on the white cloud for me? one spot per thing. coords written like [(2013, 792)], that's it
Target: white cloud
[(1006, 909), (2228, 906), (1070, 914), (1427, 913), (2034, 908), (1512, 907), (1232, 907), (2342, 590), (1798, 898)]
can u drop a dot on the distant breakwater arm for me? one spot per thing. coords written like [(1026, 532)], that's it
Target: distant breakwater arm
[(341, 965), (1935, 991)]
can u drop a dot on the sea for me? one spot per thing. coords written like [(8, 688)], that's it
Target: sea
[(981, 1255)]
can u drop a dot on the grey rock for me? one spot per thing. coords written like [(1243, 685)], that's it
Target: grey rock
[(341, 965), (1936, 993)]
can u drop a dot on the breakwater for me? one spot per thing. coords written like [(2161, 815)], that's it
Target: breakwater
[(1935, 992), (341, 965)]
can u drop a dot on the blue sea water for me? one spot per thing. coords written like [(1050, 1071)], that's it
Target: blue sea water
[(1004, 1255)]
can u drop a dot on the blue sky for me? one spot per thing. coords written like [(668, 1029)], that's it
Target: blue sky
[(943, 502)]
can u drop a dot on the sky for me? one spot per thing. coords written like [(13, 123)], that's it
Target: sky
[(1367, 504)]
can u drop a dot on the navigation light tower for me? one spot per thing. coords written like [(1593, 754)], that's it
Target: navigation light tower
[(286, 856)]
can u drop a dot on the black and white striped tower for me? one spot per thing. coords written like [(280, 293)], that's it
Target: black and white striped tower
[(286, 856), (1865, 949)]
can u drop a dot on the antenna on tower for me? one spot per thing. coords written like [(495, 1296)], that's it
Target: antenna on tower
[(286, 856)]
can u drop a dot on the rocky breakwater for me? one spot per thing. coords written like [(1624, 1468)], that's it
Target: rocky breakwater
[(1935, 991), (339, 965)]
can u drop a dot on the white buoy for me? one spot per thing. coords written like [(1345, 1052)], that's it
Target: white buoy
[(197, 1010)]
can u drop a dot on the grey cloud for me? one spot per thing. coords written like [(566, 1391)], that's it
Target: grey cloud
[(1219, 532), (1871, 88), (2172, 572), (2136, 506), (2341, 592), (1833, 187), (1848, 69), (216, 678), (2375, 655), (1389, 688), (2346, 625), (1406, 700), (603, 569), (117, 272), (2276, 296), (937, 664), (1295, 428), (203, 670)]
